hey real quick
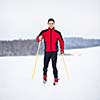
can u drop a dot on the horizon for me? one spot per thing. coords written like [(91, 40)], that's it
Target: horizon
[(34, 38)]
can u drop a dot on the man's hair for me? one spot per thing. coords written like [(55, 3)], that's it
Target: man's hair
[(51, 19)]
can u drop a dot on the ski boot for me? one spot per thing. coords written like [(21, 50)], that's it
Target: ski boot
[(44, 79), (55, 81)]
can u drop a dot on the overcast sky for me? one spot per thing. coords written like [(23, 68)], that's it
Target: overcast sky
[(24, 19)]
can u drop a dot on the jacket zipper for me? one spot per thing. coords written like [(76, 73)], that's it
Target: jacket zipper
[(51, 39)]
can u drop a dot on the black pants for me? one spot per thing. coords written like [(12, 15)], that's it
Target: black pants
[(53, 57)]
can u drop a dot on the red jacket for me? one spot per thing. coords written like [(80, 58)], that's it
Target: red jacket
[(51, 37)]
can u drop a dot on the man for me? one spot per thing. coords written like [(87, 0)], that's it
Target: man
[(51, 37)]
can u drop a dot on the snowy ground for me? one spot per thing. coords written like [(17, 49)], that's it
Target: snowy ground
[(84, 84)]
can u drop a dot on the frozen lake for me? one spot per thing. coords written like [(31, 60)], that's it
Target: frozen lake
[(83, 66)]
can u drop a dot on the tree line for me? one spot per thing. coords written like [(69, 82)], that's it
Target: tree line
[(29, 47)]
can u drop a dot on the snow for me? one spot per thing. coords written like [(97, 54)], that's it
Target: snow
[(83, 66)]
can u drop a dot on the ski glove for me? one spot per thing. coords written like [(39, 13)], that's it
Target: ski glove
[(62, 53), (39, 38)]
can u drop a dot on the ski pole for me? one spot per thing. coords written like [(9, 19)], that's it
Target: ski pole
[(36, 59), (65, 66)]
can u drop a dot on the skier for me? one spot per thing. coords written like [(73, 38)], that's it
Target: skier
[(51, 37)]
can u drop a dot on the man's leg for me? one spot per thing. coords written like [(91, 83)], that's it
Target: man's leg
[(46, 62), (54, 61)]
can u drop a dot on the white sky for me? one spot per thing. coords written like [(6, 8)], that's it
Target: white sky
[(24, 19)]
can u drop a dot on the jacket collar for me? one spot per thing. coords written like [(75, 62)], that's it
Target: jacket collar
[(50, 28)]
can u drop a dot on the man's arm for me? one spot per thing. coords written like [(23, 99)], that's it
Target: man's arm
[(39, 37), (61, 43)]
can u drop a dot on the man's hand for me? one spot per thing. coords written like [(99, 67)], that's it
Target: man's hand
[(62, 53), (40, 38)]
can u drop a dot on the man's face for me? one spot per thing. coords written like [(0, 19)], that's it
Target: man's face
[(51, 24)]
